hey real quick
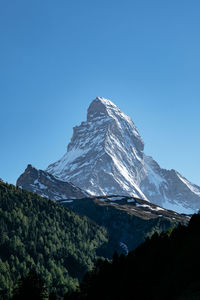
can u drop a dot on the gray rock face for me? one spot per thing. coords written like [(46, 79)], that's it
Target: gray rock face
[(105, 156), (47, 185), (169, 189)]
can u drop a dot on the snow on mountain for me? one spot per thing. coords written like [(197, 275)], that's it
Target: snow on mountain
[(101, 151), (47, 185), (105, 156), (169, 189)]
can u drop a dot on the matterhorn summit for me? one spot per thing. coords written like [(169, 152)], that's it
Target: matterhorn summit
[(106, 157)]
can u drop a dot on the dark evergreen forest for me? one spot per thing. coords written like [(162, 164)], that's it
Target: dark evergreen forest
[(166, 266), (45, 250), (38, 234)]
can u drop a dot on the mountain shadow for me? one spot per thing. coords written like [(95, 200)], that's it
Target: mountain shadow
[(163, 267)]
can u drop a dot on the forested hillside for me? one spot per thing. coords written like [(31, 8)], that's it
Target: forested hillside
[(163, 267), (36, 233)]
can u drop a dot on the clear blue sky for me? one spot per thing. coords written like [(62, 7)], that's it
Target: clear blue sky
[(57, 56)]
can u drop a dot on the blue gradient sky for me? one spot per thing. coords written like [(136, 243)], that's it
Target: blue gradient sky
[(57, 56)]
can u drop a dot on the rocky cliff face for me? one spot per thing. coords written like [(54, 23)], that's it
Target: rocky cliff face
[(106, 157), (169, 189), (47, 185)]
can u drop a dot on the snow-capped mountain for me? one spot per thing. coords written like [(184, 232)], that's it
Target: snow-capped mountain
[(105, 156), (169, 189), (47, 185)]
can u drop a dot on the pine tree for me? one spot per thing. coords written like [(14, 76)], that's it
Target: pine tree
[(31, 287)]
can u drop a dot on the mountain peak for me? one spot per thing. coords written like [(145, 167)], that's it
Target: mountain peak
[(106, 157), (29, 167), (47, 185), (101, 151), (104, 101), (100, 107)]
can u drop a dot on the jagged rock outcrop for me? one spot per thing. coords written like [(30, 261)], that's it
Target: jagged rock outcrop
[(47, 185), (169, 189)]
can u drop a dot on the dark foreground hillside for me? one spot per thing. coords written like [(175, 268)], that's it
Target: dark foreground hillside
[(36, 233), (42, 239), (164, 267), (127, 220)]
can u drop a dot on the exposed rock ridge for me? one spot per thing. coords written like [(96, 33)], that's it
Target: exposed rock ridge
[(47, 185)]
